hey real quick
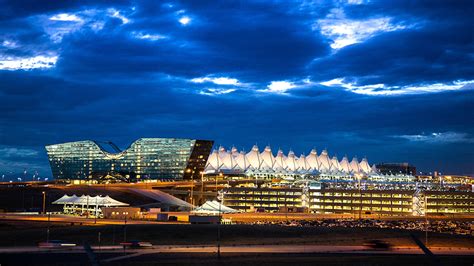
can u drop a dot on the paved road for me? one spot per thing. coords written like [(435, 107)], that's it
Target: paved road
[(73, 219), (243, 249)]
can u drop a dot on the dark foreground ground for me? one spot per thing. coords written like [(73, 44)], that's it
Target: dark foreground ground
[(237, 259), (24, 233)]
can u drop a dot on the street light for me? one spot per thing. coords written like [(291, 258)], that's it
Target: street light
[(44, 202)]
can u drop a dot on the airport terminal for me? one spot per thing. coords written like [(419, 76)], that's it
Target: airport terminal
[(261, 181)]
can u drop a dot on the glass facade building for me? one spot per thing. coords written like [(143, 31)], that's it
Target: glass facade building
[(146, 158)]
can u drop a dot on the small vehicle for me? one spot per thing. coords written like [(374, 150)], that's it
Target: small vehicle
[(378, 245), (55, 244), (137, 244)]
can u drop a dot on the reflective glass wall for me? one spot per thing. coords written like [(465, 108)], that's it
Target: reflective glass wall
[(146, 158)]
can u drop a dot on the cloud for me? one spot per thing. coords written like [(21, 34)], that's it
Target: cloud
[(217, 80), (383, 90), (343, 31), (444, 137), (9, 44), (12, 152), (66, 17), (116, 14), (148, 36), (279, 87), (214, 92), (184, 20), (27, 63)]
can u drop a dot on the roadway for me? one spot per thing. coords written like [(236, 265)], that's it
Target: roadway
[(293, 249), (74, 219)]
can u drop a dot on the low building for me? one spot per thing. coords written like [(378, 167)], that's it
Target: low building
[(396, 168), (122, 213)]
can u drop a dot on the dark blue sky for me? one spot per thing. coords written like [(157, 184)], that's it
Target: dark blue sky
[(393, 81)]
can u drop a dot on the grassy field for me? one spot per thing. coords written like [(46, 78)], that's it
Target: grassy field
[(30, 233)]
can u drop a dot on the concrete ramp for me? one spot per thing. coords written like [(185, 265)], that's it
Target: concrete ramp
[(162, 197)]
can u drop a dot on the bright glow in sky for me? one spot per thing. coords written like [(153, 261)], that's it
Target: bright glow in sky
[(279, 87), (184, 20)]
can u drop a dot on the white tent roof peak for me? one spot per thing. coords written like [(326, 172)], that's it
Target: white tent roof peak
[(364, 166), (312, 160), (239, 161), (267, 158), (355, 165), (89, 200), (213, 207)]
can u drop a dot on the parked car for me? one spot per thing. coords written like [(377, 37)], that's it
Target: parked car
[(55, 244), (377, 244), (137, 244)]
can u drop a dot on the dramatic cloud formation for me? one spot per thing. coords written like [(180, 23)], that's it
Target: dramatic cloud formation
[(393, 81)]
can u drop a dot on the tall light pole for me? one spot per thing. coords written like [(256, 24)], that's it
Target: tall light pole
[(44, 202)]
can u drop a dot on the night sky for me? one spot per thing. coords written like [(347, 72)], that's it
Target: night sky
[(390, 81)]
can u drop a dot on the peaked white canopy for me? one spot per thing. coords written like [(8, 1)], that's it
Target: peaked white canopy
[(89, 200), (325, 162), (214, 207), (265, 161)]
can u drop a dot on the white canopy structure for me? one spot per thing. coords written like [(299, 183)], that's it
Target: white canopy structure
[(214, 207), (255, 161), (90, 204)]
